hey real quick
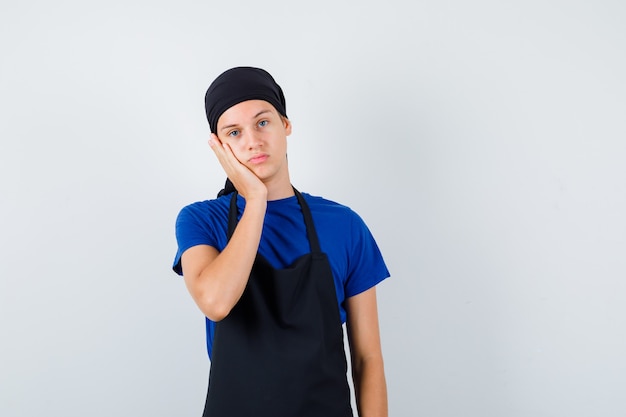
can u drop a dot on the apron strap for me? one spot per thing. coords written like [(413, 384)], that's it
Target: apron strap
[(306, 213), (308, 221), (232, 215)]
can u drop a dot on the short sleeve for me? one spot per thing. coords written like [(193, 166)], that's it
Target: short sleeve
[(192, 228), (366, 266)]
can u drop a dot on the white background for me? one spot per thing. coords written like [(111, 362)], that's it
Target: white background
[(483, 142)]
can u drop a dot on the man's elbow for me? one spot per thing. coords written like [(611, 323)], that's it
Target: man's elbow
[(216, 315), (214, 309)]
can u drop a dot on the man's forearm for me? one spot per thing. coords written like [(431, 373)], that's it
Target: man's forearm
[(370, 388)]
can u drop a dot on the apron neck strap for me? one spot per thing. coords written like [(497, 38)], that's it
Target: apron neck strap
[(308, 221), (306, 213)]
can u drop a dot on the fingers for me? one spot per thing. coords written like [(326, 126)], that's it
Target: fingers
[(214, 140), (220, 151), (216, 144), (224, 154)]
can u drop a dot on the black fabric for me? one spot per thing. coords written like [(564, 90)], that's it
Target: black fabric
[(240, 84), (279, 352), (228, 188)]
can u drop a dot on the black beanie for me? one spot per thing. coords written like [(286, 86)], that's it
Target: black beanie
[(240, 84)]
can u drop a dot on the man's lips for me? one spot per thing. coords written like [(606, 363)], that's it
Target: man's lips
[(257, 159)]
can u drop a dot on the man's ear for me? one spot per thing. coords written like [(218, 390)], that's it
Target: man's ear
[(287, 125)]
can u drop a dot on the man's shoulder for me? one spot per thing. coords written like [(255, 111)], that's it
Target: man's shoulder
[(323, 207), (206, 207), (322, 203)]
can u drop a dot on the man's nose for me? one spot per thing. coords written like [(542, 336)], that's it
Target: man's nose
[(253, 139)]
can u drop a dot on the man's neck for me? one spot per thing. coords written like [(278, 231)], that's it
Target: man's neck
[(277, 190)]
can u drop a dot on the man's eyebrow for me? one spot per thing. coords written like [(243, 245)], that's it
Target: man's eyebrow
[(254, 117), (228, 126), (262, 112)]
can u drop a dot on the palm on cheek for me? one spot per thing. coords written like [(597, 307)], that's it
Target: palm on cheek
[(245, 181)]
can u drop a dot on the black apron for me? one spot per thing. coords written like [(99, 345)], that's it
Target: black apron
[(280, 352)]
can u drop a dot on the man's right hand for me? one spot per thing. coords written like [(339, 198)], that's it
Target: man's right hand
[(244, 180)]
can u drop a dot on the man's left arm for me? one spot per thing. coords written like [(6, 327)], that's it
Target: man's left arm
[(368, 371)]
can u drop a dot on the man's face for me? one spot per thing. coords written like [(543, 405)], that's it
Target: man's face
[(257, 135)]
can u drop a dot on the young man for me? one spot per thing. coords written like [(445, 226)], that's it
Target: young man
[(277, 272)]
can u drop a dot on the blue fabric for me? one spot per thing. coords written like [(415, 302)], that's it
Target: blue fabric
[(354, 256)]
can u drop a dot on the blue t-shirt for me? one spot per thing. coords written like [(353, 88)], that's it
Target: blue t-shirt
[(354, 257)]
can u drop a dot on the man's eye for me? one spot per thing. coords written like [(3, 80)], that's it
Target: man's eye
[(233, 133), (263, 123)]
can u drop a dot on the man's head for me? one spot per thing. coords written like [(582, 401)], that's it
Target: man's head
[(241, 84)]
